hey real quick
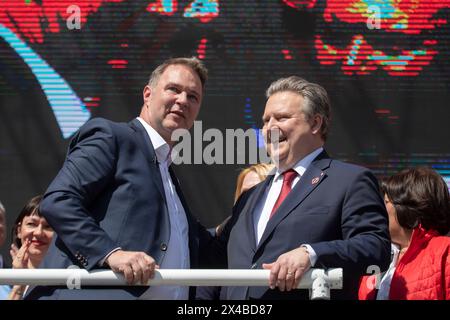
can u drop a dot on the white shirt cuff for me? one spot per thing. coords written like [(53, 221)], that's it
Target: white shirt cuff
[(102, 262), (312, 254)]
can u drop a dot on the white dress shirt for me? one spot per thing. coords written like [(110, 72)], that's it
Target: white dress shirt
[(177, 254), (264, 207), (385, 283)]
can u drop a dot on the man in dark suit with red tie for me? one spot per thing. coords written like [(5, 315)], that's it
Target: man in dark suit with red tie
[(313, 211)]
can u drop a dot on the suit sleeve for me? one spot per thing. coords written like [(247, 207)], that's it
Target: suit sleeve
[(229, 222), (365, 239), (88, 168)]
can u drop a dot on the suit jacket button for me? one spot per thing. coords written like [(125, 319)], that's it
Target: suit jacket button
[(254, 266), (163, 247)]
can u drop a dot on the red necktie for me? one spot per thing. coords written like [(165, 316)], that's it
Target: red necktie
[(288, 178)]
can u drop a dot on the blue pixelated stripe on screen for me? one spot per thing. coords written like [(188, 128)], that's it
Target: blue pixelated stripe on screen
[(70, 112)]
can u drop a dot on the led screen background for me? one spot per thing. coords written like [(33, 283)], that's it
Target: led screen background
[(388, 79)]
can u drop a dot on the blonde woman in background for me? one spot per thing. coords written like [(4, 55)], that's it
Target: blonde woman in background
[(251, 176), (247, 179)]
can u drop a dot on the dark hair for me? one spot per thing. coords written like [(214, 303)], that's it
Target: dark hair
[(420, 196), (31, 208)]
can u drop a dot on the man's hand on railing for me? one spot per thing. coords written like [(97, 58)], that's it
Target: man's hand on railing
[(287, 271), (137, 267), (320, 281)]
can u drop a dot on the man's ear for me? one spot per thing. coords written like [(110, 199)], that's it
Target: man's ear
[(147, 93), (316, 123)]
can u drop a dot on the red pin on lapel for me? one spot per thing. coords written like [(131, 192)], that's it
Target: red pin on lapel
[(315, 180)]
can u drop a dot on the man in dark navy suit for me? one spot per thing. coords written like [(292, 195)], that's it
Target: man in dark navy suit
[(313, 211), (116, 202)]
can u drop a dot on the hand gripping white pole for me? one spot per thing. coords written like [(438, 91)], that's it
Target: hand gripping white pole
[(319, 280)]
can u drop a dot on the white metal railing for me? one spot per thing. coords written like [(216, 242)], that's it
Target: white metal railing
[(319, 281)]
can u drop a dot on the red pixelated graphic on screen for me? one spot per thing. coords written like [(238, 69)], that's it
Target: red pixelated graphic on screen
[(286, 54), (91, 102), (204, 10), (201, 50), (410, 17), (118, 63), (28, 19), (299, 4), (163, 7), (387, 115), (360, 58)]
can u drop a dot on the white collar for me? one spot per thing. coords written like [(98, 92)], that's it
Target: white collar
[(162, 149), (303, 164)]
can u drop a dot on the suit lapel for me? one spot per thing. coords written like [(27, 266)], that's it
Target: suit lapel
[(176, 183), (250, 207), (313, 176), (146, 147)]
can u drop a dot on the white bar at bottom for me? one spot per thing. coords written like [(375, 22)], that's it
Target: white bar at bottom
[(189, 277)]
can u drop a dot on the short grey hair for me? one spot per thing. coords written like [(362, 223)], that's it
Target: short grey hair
[(195, 64), (316, 97), (2, 208)]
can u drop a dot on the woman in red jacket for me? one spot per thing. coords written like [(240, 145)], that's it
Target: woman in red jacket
[(418, 204)]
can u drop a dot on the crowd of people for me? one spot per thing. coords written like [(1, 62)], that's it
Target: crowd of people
[(116, 204)]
